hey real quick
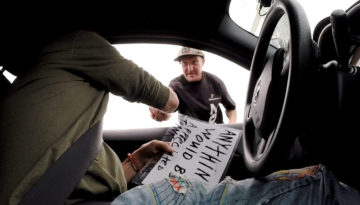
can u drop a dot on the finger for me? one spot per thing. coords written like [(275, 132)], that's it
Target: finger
[(169, 147), (158, 118), (152, 116), (165, 146)]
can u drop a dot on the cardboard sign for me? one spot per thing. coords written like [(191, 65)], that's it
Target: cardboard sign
[(202, 151)]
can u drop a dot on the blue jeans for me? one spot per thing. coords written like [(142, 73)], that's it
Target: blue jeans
[(310, 185)]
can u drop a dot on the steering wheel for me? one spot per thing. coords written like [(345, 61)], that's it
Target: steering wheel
[(277, 102)]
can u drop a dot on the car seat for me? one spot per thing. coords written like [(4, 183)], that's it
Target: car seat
[(66, 171), (59, 181)]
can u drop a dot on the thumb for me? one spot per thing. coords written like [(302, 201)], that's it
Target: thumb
[(165, 146)]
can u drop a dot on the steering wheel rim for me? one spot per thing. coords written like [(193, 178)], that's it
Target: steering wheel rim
[(271, 124)]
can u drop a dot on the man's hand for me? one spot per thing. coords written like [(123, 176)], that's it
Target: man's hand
[(165, 112), (159, 115), (231, 114), (152, 150)]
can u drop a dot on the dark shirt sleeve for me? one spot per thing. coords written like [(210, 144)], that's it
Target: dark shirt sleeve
[(226, 99)]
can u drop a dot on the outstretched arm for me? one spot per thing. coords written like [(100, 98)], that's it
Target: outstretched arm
[(172, 103)]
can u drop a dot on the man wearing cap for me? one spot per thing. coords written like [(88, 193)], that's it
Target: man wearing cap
[(200, 93)]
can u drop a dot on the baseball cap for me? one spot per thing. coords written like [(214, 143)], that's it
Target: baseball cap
[(187, 51)]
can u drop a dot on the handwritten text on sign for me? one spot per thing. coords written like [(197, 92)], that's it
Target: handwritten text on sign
[(202, 151)]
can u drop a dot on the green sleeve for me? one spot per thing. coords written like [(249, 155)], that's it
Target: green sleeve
[(90, 55)]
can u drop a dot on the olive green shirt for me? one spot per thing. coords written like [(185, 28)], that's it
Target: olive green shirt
[(49, 108)]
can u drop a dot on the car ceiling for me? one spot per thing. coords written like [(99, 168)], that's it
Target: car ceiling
[(197, 23)]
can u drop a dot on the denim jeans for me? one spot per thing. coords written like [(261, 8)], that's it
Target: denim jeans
[(310, 185)]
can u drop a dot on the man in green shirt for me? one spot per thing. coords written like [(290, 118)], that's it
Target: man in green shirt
[(66, 93)]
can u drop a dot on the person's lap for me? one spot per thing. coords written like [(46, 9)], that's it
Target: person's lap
[(310, 185)]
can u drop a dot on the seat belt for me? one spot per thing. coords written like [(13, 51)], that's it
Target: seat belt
[(59, 181), (4, 84)]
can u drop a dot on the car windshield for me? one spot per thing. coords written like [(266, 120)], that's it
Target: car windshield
[(158, 59)]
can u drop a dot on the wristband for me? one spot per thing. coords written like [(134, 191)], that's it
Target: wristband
[(133, 162)]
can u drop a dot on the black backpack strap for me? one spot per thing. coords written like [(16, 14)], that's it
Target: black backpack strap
[(58, 182)]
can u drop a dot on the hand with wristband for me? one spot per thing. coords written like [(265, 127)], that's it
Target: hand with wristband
[(148, 151)]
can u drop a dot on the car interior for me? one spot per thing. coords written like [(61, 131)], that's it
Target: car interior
[(301, 105)]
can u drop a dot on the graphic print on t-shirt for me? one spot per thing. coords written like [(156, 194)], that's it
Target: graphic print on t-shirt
[(213, 108), (213, 113)]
